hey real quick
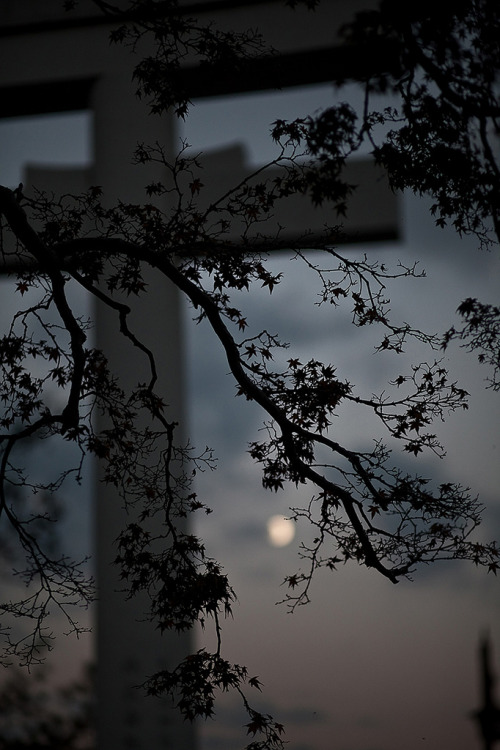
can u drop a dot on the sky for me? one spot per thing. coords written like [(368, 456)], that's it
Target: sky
[(366, 665)]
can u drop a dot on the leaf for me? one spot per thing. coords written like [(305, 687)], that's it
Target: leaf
[(256, 725), (255, 682), (195, 186), (413, 447)]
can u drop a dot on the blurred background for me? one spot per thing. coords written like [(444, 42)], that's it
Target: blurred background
[(366, 665)]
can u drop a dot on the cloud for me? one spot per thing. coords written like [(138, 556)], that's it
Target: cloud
[(403, 656)]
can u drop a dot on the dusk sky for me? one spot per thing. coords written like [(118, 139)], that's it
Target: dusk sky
[(367, 665)]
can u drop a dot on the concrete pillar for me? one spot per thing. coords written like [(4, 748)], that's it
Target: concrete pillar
[(129, 649), (50, 61)]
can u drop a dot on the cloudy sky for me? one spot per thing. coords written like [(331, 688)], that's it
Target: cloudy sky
[(367, 665), (375, 665)]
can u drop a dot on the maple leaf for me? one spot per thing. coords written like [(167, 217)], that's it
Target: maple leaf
[(467, 307), (256, 725), (255, 682), (272, 281), (195, 186), (413, 447)]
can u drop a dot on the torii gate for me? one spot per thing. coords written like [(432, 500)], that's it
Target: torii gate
[(51, 61)]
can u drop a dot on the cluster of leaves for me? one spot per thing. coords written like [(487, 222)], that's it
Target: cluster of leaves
[(421, 525), (480, 333), (198, 696), (178, 40), (446, 63), (363, 507)]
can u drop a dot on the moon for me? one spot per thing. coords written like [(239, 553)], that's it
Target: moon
[(280, 531)]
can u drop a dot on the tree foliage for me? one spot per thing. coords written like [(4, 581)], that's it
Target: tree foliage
[(437, 138)]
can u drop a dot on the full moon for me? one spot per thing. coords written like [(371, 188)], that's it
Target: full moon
[(280, 531)]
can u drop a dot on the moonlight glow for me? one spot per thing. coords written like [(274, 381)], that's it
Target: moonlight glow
[(280, 531)]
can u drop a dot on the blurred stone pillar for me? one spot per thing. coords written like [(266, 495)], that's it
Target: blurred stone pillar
[(51, 61), (129, 649)]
